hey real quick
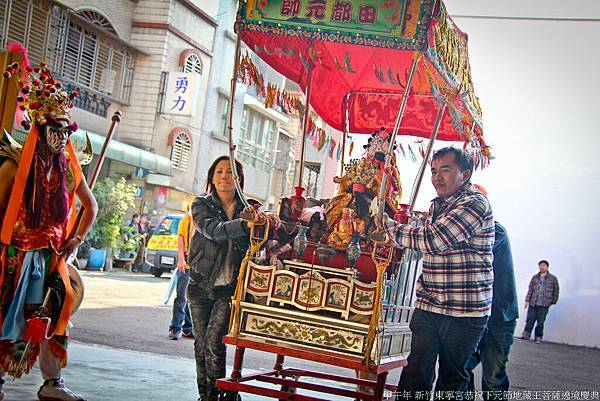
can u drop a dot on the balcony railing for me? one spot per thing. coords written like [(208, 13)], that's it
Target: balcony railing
[(89, 101)]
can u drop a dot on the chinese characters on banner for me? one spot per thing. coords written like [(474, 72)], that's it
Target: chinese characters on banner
[(398, 24), (181, 92), (340, 11)]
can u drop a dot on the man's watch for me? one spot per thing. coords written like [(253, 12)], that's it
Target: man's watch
[(79, 238)]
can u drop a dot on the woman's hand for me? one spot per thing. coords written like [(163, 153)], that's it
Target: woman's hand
[(70, 247), (274, 221), (262, 217)]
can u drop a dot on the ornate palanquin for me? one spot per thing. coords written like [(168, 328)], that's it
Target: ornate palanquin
[(317, 307), (397, 67)]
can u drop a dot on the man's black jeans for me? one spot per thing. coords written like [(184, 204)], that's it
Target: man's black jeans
[(492, 352), (536, 313), (452, 339)]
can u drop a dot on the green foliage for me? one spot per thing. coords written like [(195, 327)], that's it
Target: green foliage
[(130, 239), (114, 199)]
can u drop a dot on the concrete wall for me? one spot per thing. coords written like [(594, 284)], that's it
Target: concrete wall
[(329, 166), (210, 7), (330, 169), (138, 126), (191, 24)]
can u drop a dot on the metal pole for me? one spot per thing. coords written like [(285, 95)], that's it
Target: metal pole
[(116, 119), (305, 122), (390, 151), (346, 127), (232, 87), (421, 173)]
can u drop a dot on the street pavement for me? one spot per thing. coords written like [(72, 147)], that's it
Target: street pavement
[(121, 352), (109, 374)]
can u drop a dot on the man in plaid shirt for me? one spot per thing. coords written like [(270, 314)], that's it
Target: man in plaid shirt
[(454, 291)]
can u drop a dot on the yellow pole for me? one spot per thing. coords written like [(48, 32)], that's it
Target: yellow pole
[(8, 92), (234, 320)]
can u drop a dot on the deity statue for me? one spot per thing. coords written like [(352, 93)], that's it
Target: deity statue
[(343, 230)]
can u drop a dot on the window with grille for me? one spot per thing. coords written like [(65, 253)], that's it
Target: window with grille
[(80, 55), (98, 19), (310, 178), (91, 59), (78, 51), (192, 64), (26, 22), (256, 139), (180, 154), (223, 106)]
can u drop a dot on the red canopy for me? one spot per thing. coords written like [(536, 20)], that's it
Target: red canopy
[(366, 72)]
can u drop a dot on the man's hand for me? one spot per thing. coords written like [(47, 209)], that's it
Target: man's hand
[(181, 265), (70, 247), (381, 223), (526, 305)]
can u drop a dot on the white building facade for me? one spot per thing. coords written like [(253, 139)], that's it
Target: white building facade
[(120, 55)]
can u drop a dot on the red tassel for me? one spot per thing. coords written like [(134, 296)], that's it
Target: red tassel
[(35, 330)]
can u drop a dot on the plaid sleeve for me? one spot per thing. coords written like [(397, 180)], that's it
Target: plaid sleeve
[(455, 226)]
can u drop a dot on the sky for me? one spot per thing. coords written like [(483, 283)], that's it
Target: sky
[(539, 86)]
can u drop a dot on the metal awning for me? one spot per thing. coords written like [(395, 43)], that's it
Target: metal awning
[(119, 151), (125, 153)]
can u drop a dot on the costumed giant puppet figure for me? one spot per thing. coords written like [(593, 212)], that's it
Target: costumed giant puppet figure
[(38, 186)]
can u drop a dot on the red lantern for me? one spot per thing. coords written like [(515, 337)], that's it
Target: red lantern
[(403, 214), (297, 202)]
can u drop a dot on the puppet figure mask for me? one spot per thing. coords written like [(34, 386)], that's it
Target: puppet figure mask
[(57, 135)]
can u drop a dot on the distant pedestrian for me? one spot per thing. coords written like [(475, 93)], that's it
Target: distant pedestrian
[(143, 226), (181, 309), (542, 293), (142, 230), (135, 220)]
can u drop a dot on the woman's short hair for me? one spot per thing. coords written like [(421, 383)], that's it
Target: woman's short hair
[(213, 167)]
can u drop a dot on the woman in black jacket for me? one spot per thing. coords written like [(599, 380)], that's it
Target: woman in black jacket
[(216, 252)]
